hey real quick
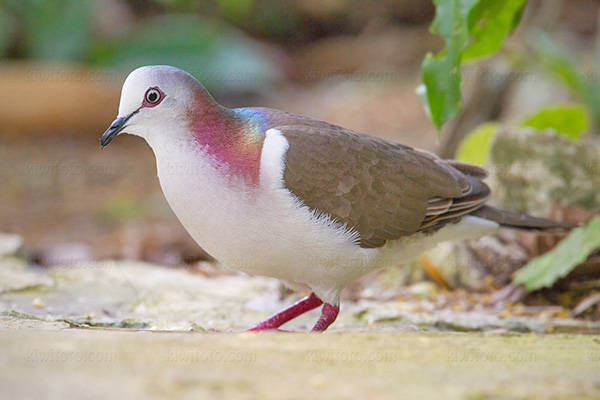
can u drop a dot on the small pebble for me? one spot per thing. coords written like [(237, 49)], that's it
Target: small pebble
[(38, 303)]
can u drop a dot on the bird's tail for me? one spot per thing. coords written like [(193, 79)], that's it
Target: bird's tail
[(515, 220)]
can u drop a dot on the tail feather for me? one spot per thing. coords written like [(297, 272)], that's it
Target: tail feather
[(515, 220)]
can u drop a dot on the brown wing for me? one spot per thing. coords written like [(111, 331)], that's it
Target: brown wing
[(384, 191)]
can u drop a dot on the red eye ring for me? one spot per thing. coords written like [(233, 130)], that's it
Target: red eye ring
[(152, 97)]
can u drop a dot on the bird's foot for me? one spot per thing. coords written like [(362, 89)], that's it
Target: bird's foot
[(328, 315), (296, 309)]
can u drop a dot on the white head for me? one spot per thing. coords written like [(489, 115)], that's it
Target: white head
[(156, 100)]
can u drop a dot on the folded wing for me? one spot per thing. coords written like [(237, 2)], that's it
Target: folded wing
[(382, 190)]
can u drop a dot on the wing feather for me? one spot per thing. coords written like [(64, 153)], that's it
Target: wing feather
[(384, 191)]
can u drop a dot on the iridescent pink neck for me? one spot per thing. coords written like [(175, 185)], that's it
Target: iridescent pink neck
[(232, 138)]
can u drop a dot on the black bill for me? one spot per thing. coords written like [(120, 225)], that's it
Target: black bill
[(115, 128)]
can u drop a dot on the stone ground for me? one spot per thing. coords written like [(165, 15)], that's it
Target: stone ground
[(126, 329), (42, 362)]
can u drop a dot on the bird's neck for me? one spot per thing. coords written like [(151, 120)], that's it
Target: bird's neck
[(232, 139)]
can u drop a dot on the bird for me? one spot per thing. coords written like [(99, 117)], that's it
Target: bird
[(313, 204)]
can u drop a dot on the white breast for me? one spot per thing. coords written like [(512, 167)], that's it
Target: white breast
[(261, 230)]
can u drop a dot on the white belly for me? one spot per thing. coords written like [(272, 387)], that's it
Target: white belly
[(260, 230)]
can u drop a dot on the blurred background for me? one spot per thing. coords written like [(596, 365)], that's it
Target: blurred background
[(349, 62)]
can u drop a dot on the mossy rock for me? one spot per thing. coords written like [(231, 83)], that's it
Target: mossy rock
[(532, 171)]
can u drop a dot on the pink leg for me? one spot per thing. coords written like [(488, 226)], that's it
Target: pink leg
[(296, 309), (328, 315)]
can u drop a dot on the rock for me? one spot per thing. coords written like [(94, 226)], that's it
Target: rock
[(475, 264), (424, 290), (533, 171), (10, 244), (16, 275)]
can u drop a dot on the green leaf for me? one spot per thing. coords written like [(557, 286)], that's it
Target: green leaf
[(441, 84), (569, 120), (441, 73), (471, 29), (557, 263), (476, 146), (490, 22)]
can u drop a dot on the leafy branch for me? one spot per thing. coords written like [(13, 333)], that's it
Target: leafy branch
[(472, 29)]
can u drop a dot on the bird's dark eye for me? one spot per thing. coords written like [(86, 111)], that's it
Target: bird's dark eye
[(153, 95)]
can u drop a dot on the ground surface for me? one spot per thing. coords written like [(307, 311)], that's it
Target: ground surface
[(135, 330), (368, 365)]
